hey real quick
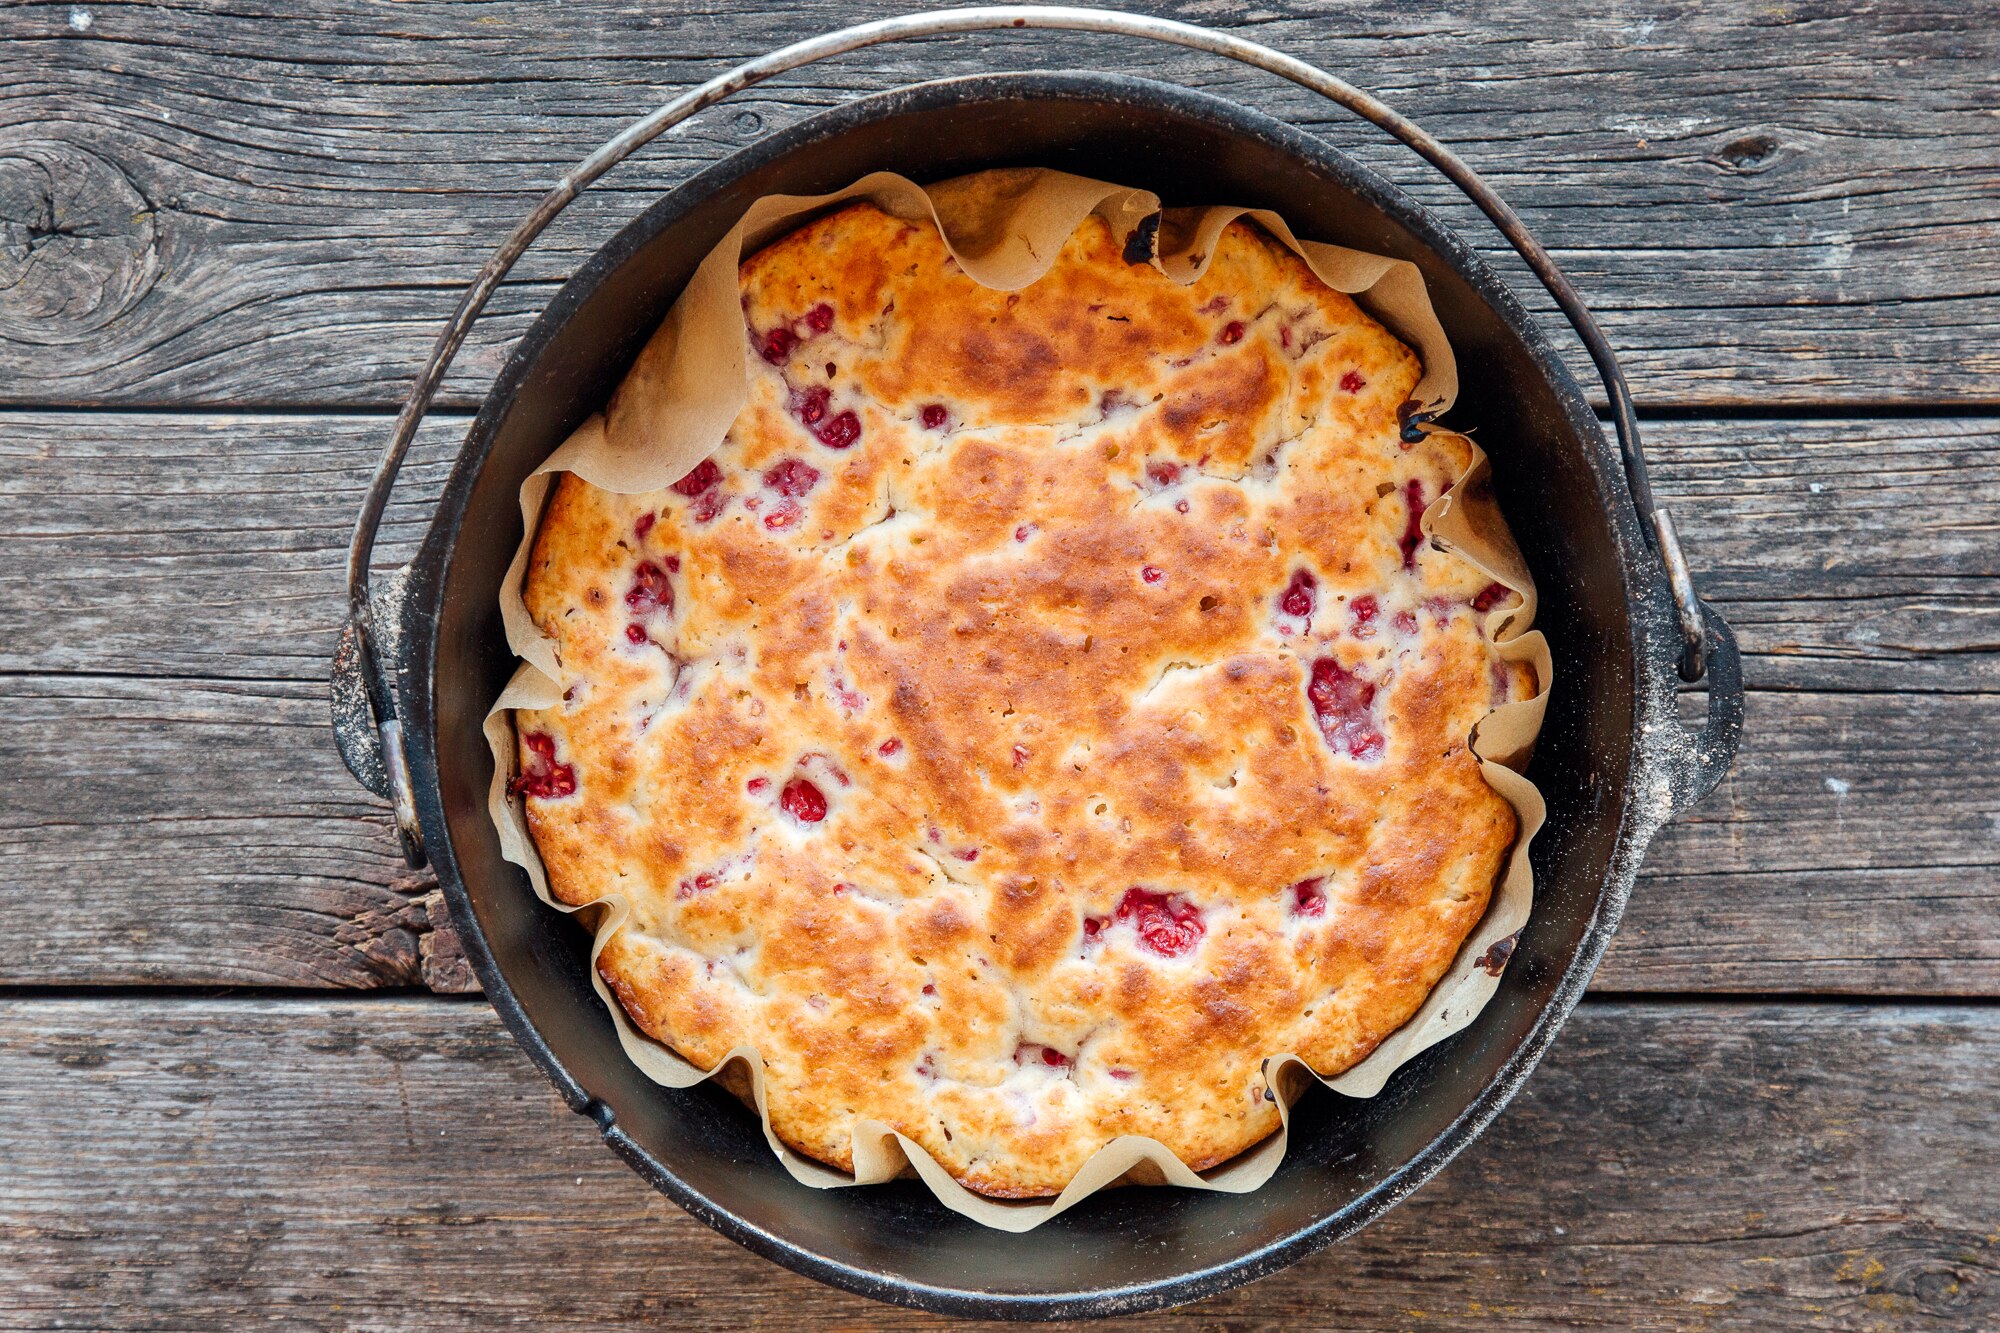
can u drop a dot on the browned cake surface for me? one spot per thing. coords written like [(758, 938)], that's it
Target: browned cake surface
[(1039, 710)]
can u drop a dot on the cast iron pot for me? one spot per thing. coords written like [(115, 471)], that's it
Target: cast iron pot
[(1614, 760)]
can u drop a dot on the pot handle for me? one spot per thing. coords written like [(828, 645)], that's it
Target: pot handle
[(1700, 757), (379, 690)]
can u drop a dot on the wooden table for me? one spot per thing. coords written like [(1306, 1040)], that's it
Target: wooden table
[(229, 1092)]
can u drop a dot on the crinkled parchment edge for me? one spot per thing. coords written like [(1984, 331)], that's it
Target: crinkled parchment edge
[(1004, 229)]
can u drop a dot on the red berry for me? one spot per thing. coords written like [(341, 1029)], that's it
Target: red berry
[(888, 749), (673, 564), (1491, 596), (704, 475), (651, 590), (935, 417), (850, 699), (1344, 704), (783, 515), (1153, 574), (1180, 506), (1300, 594), (1031, 1053), (701, 883), (755, 785), (792, 477), (967, 854), (1352, 382), (820, 318), (644, 524), (1309, 897), (1168, 926), (1413, 529), (709, 504), (1020, 756), (1232, 332), (541, 775), (841, 431), (777, 346), (811, 404), (803, 801), (1363, 609), (635, 632), (1164, 473)]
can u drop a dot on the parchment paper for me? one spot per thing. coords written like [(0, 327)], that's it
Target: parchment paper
[(1005, 228)]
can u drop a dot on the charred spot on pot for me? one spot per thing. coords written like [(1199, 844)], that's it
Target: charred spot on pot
[(1494, 960), (1411, 418), (1139, 245)]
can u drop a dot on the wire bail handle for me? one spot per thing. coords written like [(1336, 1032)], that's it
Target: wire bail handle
[(1655, 522)]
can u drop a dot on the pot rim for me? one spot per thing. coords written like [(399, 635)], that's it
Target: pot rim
[(1654, 639)]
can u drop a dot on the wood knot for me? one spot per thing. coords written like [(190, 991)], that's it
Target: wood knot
[(79, 244), (1749, 153)]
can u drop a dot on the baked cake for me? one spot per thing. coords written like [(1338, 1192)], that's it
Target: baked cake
[(1042, 707)]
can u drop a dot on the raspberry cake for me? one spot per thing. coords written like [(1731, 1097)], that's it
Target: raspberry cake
[(1041, 708)]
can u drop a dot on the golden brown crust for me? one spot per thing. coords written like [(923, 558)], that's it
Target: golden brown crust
[(1116, 804)]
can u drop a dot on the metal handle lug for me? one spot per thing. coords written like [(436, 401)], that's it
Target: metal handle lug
[(402, 793), (1687, 603)]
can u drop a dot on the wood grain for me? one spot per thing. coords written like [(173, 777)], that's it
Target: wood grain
[(1847, 554), (211, 203), (194, 832), (398, 1164), (200, 546)]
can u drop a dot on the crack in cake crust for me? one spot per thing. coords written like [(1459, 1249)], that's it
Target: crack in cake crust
[(1035, 713)]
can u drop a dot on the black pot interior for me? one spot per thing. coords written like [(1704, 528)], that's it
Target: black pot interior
[(1122, 1248)]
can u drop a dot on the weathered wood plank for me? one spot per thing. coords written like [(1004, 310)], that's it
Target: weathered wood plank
[(1694, 1166), (1850, 555), (1856, 554), (192, 545), (265, 204), (1856, 848), (186, 831)]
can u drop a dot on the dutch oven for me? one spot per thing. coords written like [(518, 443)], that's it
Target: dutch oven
[(424, 660)]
